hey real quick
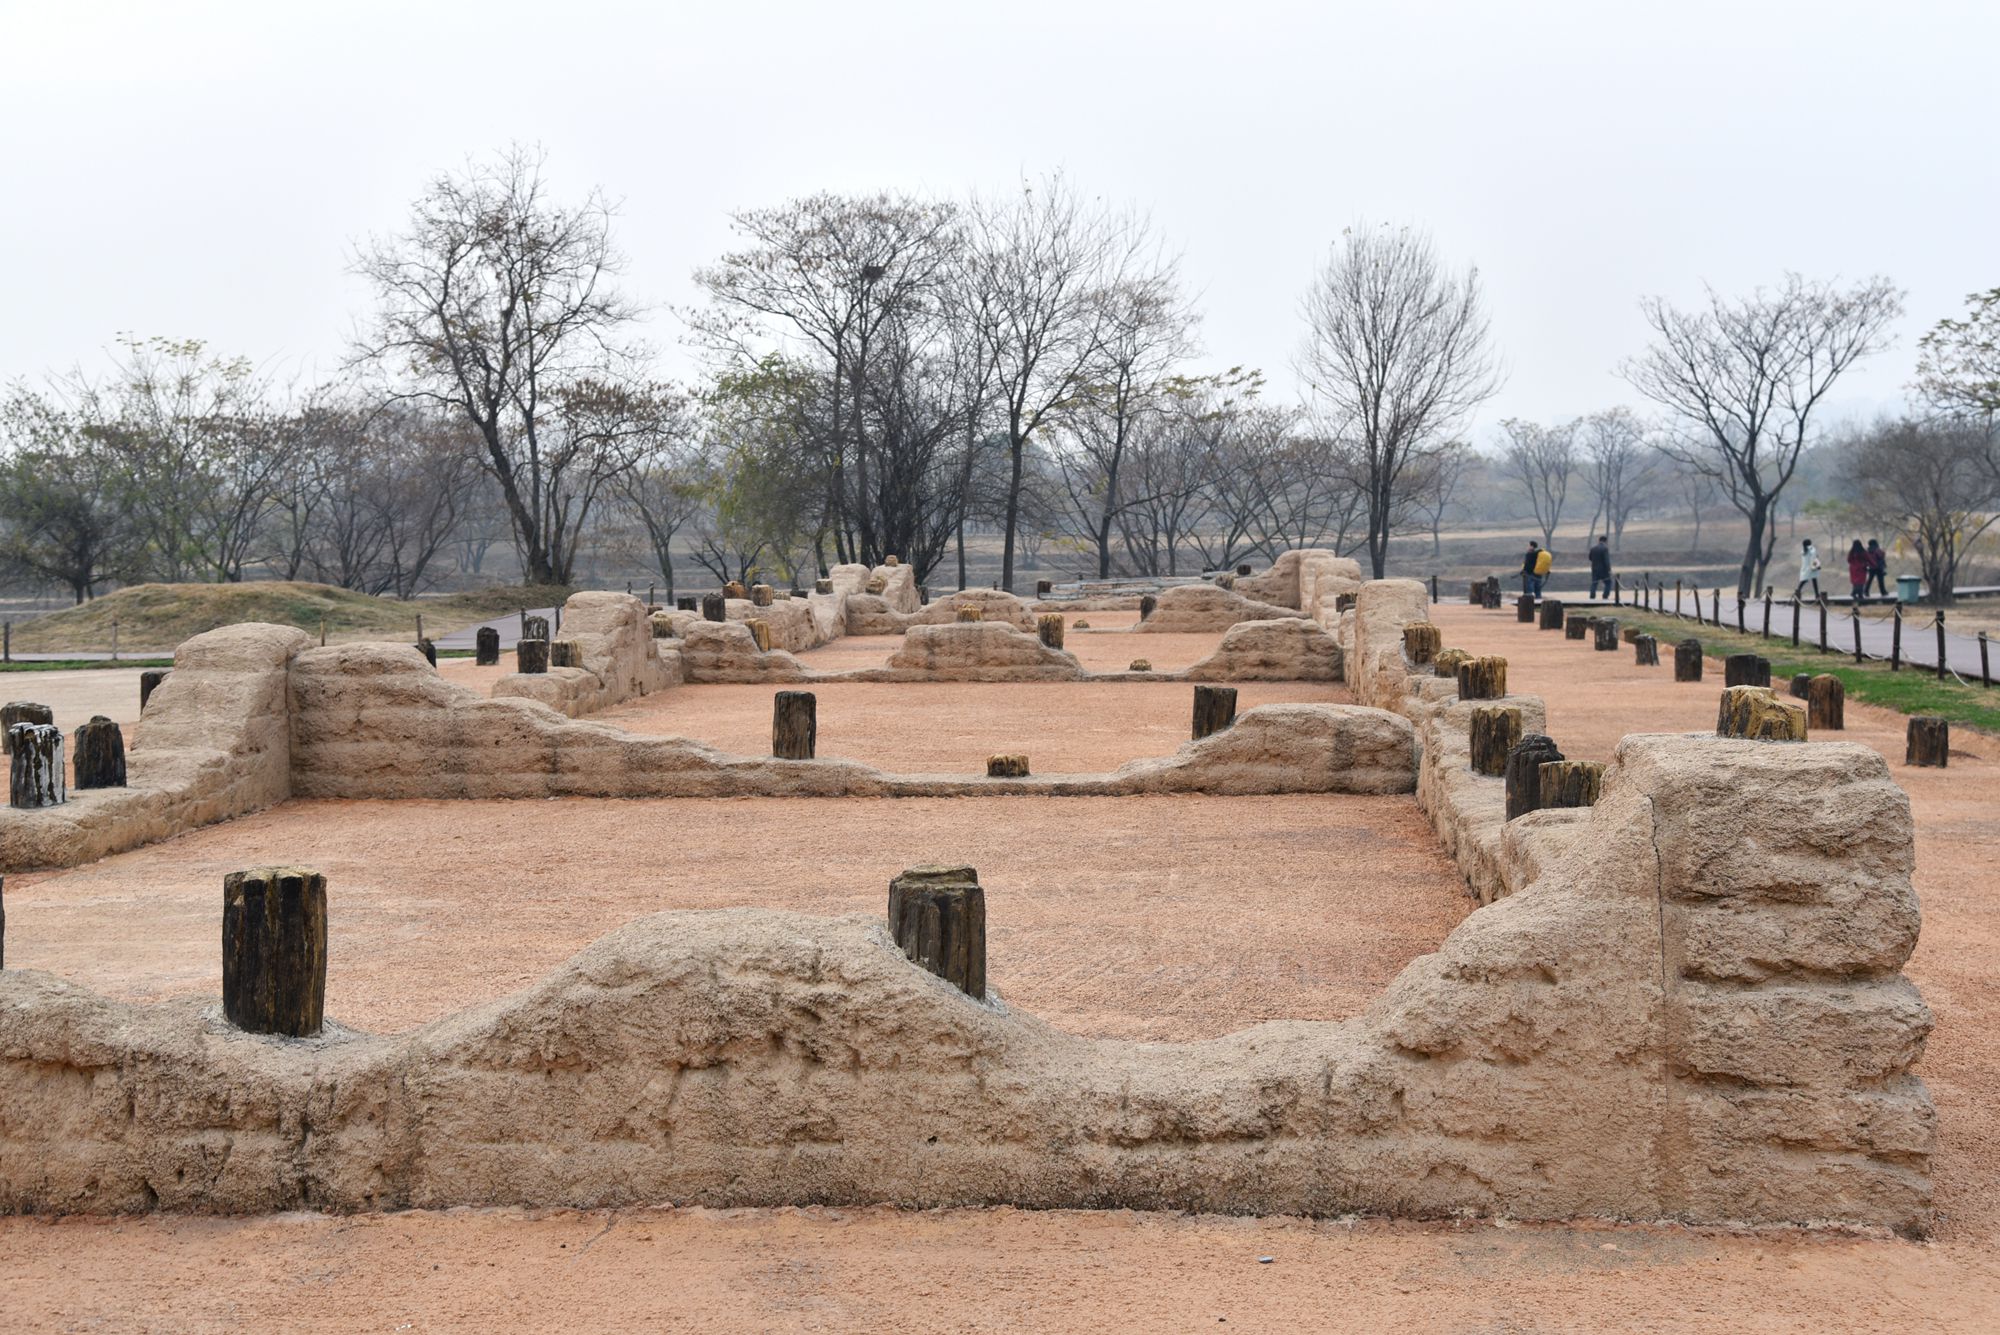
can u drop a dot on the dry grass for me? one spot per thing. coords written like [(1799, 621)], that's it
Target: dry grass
[(157, 617)]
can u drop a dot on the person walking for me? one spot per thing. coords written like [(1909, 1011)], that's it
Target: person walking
[(1545, 561), (1857, 571), (1878, 567), (1528, 585), (1808, 570), (1600, 565)]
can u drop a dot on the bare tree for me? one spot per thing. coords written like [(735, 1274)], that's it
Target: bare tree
[(1541, 460), (1958, 361), (1746, 377), (498, 303), (1933, 481), (1396, 357), (1619, 464)]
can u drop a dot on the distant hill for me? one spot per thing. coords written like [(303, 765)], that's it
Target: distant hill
[(154, 618)]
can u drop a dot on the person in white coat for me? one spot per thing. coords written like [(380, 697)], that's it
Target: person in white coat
[(1808, 570)]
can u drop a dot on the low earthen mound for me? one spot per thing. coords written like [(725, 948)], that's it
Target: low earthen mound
[(1199, 608), (1290, 650), (726, 651), (982, 651)]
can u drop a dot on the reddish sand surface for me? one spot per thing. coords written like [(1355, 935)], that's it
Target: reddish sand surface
[(877, 1269)]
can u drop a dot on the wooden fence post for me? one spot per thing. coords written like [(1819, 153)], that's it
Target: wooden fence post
[(937, 914), (794, 725), (274, 950)]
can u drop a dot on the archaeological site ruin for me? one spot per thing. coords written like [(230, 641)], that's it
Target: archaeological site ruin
[(1649, 1007)]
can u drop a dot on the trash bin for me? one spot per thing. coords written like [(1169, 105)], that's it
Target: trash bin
[(1909, 588)]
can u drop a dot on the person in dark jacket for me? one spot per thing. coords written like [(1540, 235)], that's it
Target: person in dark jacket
[(1600, 565), (1878, 567), (1528, 585), (1857, 571)]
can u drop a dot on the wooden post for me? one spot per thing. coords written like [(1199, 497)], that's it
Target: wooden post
[(1985, 668), (1148, 605), (1795, 620), (1421, 642), (1800, 681), (1552, 614), (760, 595), (1243, 571), (1767, 611), (1854, 614), (1496, 731), (1477, 596), (1677, 597), (100, 754), (1140, 665), (1524, 608), (937, 914), (1524, 765), (971, 614), (7, 642), (531, 656), (20, 711), (565, 653), (1445, 662), (1757, 713), (1493, 593), (1482, 678), (37, 775), (1049, 629), (1940, 643), (486, 650), (1043, 588), (734, 589), (1576, 627), (760, 631), (794, 725), (534, 628), (1607, 634), (1746, 670), (1007, 767), (1717, 607), (1826, 703), (1214, 709), (1569, 783), (1646, 651), (714, 607), (1434, 590), (1928, 742), (1896, 638), (1822, 623), (429, 650), (114, 639), (1687, 660), (274, 950), (819, 586), (149, 681), (688, 602)]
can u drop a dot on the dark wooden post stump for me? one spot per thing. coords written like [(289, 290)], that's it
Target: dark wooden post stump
[(1687, 660), (20, 711), (1928, 742), (714, 607), (734, 589), (534, 628), (531, 656), (100, 754), (822, 586), (1756, 713), (1606, 630), (760, 595), (1569, 783), (1524, 608), (1043, 588), (486, 647), (1496, 731), (760, 631), (565, 653), (1344, 602), (1746, 670), (429, 649), (1445, 662), (1628, 633), (1477, 595), (1007, 767), (1214, 709), (1493, 593), (1148, 605), (689, 604), (1524, 766), (1552, 614), (971, 614), (937, 914), (37, 777), (1645, 651), (662, 624), (1243, 571), (1576, 627), (274, 950), (1049, 629), (1421, 642), (149, 681), (1801, 681), (1826, 703), (794, 725), (1482, 679)]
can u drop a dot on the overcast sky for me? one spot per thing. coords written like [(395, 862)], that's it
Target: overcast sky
[(204, 170)]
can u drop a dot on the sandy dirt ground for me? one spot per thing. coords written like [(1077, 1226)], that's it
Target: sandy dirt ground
[(75, 695), (882, 1269)]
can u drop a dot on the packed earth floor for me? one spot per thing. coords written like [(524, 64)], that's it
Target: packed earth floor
[(1153, 918)]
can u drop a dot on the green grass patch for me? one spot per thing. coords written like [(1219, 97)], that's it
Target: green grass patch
[(1913, 690)]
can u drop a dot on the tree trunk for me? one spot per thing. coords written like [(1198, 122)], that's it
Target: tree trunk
[(36, 775), (1524, 766), (1496, 731), (1214, 709), (1570, 783), (100, 754), (1015, 447), (794, 725), (1928, 742), (1687, 660), (937, 914), (274, 950)]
